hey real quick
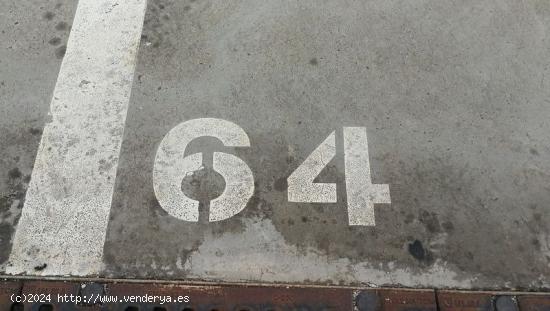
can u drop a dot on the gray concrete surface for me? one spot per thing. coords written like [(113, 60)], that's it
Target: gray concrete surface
[(454, 96)]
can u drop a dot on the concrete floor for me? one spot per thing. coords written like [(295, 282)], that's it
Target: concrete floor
[(455, 97)]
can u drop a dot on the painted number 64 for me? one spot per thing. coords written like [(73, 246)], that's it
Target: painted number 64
[(171, 166)]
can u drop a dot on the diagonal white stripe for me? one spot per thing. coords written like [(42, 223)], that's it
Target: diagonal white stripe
[(64, 221)]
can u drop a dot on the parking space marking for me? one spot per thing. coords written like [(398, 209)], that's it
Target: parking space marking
[(63, 224)]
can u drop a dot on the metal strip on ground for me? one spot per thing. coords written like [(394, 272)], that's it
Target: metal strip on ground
[(147, 296)]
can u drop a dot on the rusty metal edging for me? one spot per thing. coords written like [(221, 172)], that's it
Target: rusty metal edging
[(199, 282), (253, 297)]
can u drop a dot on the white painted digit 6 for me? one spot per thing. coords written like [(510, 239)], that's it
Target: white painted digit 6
[(171, 167)]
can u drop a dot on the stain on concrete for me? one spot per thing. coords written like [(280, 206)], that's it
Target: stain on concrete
[(448, 226), (54, 41), (62, 26), (35, 131), (60, 51), (14, 173), (261, 242), (204, 185), (430, 220), (40, 267), (49, 15), (417, 250)]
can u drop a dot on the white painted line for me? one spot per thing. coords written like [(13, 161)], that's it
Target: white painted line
[(63, 224), (171, 167), (361, 192), (301, 187)]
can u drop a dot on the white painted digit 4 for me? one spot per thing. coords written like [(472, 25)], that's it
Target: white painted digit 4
[(362, 194)]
